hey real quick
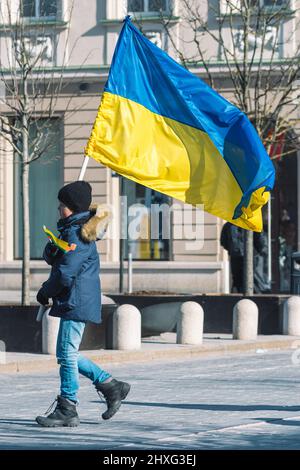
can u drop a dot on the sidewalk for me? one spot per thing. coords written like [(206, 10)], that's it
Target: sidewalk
[(154, 348), (245, 401)]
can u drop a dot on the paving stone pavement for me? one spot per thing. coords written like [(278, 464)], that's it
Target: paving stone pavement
[(232, 402)]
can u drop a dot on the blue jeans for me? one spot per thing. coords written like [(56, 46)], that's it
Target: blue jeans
[(71, 362)]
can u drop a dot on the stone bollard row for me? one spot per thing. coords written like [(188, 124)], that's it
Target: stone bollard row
[(127, 324)]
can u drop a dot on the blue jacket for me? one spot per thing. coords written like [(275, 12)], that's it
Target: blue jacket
[(74, 283)]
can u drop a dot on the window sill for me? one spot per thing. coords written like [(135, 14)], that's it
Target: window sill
[(143, 19), (37, 23), (283, 12), (222, 63)]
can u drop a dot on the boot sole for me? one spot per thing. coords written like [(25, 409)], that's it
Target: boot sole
[(42, 421), (124, 392)]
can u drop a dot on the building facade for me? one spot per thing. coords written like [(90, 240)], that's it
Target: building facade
[(78, 41)]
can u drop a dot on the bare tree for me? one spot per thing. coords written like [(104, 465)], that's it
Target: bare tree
[(249, 46), (31, 87)]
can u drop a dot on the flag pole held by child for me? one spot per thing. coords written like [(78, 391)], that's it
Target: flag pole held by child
[(43, 310)]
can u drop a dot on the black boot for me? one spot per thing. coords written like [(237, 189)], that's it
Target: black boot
[(65, 414), (114, 392)]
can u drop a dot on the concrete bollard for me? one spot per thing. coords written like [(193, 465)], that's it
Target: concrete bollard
[(245, 320), (50, 327), (126, 328), (105, 300), (190, 323), (291, 316)]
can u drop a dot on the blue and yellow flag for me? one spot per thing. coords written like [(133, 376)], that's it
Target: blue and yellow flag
[(163, 127)]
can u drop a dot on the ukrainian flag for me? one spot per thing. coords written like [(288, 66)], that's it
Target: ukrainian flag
[(163, 127)]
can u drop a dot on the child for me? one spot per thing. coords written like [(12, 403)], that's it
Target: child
[(74, 286)]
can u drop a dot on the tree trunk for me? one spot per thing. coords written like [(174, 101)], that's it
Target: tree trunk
[(25, 207), (248, 235), (248, 262)]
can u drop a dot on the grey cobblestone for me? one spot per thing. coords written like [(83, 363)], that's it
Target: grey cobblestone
[(241, 402)]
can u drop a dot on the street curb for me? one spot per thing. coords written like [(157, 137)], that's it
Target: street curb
[(170, 353)]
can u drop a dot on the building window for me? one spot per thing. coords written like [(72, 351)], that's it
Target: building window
[(270, 3), (148, 223), (267, 37), (40, 49), (234, 6), (285, 221), (39, 8), (45, 180), (155, 37), (147, 6)]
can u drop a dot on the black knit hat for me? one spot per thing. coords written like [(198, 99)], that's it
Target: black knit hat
[(76, 196)]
